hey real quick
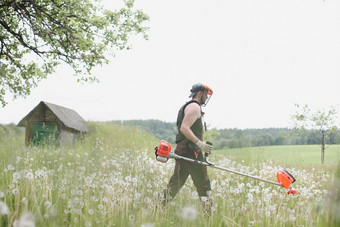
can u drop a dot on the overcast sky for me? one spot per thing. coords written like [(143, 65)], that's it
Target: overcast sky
[(260, 58)]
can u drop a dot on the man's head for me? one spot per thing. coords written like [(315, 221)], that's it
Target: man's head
[(201, 93)]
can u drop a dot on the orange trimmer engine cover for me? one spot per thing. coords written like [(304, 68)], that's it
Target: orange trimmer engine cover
[(164, 149)]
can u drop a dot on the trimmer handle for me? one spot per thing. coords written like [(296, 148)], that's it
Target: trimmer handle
[(210, 143)]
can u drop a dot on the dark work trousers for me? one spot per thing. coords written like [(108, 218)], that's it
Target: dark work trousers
[(183, 169)]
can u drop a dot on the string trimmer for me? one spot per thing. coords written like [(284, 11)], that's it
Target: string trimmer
[(163, 154)]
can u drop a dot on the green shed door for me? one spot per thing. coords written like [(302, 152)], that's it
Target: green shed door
[(44, 134)]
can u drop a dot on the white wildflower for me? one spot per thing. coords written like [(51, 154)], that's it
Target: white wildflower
[(2, 194)]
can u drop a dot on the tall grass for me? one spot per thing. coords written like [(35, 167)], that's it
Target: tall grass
[(112, 179)]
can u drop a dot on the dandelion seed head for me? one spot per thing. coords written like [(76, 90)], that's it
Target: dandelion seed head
[(15, 191), (29, 176), (91, 211), (250, 198), (88, 180), (291, 217), (47, 204), (131, 217), (16, 175), (128, 178), (194, 195), (267, 213), (188, 213), (4, 210), (26, 220), (24, 200), (147, 200)]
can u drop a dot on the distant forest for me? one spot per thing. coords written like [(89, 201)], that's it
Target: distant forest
[(236, 138)]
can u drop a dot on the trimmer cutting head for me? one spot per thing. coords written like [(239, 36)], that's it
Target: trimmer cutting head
[(286, 179)]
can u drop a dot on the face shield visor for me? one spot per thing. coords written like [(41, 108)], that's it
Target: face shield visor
[(207, 94)]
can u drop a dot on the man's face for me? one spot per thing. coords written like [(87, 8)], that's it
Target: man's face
[(205, 98)]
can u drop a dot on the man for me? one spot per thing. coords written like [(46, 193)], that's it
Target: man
[(190, 144)]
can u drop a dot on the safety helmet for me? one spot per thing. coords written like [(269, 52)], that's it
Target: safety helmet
[(201, 87)]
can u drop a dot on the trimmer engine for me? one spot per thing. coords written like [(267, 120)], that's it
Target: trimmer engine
[(162, 151)]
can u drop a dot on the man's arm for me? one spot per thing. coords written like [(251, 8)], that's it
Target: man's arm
[(191, 113)]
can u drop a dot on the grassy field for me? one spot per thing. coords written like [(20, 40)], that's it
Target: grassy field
[(290, 155), (113, 179)]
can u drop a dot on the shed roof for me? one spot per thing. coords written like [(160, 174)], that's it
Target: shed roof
[(70, 118)]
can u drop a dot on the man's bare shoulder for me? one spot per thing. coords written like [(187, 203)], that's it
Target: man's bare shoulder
[(193, 108)]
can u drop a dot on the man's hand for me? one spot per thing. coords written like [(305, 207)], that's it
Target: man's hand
[(206, 148)]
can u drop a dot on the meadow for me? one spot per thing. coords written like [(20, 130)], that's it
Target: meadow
[(113, 179), (290, 154)]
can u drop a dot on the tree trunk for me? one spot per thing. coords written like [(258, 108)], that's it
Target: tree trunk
[(323, 147)]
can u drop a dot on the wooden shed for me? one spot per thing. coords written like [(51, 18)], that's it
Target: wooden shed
[(51, 124)]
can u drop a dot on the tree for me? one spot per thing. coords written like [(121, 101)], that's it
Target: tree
[(211, 134), (322, 122), (37, 35)]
